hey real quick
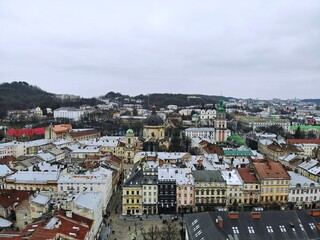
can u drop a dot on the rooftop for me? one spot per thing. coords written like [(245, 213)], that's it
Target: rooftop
[(270, 169)]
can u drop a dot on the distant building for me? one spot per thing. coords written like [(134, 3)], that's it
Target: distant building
[(68, 112), (24, 135), (208, 133), (256, 122)]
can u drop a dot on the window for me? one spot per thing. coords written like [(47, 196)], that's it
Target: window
[(250, 229), (137, 192), (127, 200), (269, 229), (312, 226), (235, 230), (282, 228)]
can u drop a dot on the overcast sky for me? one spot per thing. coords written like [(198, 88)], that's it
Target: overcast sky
[(257, 49)]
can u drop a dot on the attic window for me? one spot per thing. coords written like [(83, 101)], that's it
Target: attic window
[(312, 226), (235, 230), (198, 233), (282, 228), (196, 228), (269, 229), (194, 222), (301, 226), (250, 229)]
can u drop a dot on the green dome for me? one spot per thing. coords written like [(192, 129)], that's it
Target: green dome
[(130, 131), (220, 106)]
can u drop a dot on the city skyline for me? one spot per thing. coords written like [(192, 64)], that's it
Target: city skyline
[(255, 49)]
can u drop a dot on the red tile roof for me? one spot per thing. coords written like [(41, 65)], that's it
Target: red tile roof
[(301, 141), (271, 169), (76, 227), (27, 132), (247, 175), (9, 196)]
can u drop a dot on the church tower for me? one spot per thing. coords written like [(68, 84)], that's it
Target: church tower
[(130, 147), (220, 123)]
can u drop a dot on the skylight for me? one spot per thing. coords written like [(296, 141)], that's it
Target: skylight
[(282, 228), (235, 230), (269, 229), (250, 229), (312, 226), (194, 222)]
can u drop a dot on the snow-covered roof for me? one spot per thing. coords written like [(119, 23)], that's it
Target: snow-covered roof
[(103, 142), (98, 176), (4, 223), (308, 164), (297, 178), (288, 158), (34, 177), (59, 142), (86, 150), (204, 129), (41, 199), (315, 170), (44, 166), (48, 157), (89, 200), (4, 170), (232, 177), (180, 175), (37, 143), (265, 142)]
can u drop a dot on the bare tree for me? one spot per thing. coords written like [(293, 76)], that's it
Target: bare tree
[(152, 234), (169, 232)]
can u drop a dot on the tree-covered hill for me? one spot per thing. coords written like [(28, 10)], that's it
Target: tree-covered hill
[(165, 99), (21, 95)]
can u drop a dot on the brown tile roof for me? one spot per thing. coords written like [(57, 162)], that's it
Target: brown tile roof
[(213, 148), (10, 196), (78, 226), (247, 175), (304, 141), (271, 169), (76, 134), (61, 128)]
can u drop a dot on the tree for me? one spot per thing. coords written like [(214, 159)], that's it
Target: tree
[(135, 112), (298, 134), (311, 135), (152, 234), (169, 232)]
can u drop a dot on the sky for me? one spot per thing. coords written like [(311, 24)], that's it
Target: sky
[(243, 49)]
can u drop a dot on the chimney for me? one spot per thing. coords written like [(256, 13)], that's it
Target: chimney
[(233, 215), (315, 212), (318, 226), (219, 221), (256, 215), (69, 213)]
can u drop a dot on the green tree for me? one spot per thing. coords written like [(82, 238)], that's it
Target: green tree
[(298, 133)]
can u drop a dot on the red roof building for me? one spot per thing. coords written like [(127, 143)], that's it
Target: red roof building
[(24, 135)]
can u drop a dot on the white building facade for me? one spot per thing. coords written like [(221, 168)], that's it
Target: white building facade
[(68, 112)]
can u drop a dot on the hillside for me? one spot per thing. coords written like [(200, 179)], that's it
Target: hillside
[(21, 95), (165, 99)]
